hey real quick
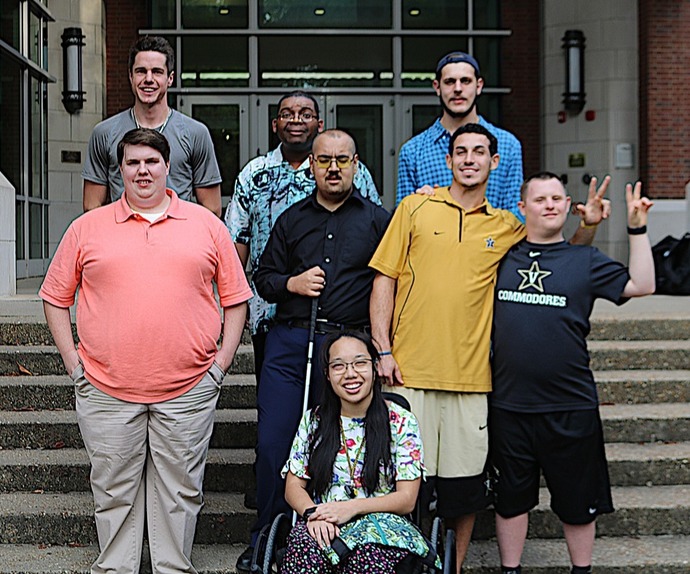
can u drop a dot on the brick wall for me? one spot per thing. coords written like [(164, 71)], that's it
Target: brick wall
[(664, 101), (520, 70), (123, 19)]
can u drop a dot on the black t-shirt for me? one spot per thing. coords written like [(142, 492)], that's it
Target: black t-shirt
[(544, 297)]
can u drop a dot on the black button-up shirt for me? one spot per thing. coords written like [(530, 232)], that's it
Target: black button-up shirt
[(341, 242)]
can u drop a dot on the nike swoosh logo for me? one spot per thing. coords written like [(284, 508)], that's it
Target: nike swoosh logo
[(592, 510), (483, 427), (439, 232), (534, 253)]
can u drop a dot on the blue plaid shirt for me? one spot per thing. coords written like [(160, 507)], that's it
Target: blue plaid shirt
[(422, 161), (266, 187)]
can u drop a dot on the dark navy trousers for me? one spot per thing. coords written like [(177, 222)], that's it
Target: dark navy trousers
[(280, 409)]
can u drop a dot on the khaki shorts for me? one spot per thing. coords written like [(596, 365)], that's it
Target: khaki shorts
[(454, 430)]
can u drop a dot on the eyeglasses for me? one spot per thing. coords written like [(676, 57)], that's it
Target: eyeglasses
[(325, 161), (305, 116), (359, 365)]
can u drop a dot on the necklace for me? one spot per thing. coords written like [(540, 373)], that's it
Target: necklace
[(350, 488), (160, 128)]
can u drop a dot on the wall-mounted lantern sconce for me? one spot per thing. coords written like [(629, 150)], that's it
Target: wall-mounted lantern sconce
[(72, 44), (574, 95)]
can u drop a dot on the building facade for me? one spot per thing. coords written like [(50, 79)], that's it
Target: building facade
[(370, 63)]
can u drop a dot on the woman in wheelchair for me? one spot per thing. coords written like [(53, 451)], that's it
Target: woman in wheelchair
[(355, 466)]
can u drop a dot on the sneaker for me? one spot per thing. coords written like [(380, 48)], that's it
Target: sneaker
[(244, 562)]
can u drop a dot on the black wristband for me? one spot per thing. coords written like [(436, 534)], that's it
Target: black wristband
[(637, 230), (308, 512)]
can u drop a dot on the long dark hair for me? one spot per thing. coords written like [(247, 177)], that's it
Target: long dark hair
[(325, 442)]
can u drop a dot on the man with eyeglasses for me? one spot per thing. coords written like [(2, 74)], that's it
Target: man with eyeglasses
[(271, 183), (422, 159), (319, 248)]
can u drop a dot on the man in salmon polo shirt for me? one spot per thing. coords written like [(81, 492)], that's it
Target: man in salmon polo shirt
[(147, 370)]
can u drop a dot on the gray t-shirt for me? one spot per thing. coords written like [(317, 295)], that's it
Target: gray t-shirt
[(192, 158)]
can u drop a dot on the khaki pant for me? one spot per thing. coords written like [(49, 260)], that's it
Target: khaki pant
[(147, 461)]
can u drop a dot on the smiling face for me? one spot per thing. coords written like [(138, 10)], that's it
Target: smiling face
[(471, 161), (354, 385), (458, 89), (297, 123), (150, 78), (545, 207), (144, 174)]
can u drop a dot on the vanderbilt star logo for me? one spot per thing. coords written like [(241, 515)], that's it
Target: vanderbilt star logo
[(490, 242), (533, 277)]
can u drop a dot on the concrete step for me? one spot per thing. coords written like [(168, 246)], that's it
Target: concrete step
[(605, 355), (649, 355), (30, 559), (640, 511), (229, 470), (640, 329), (651, 554), (637, 387), (67, 470), (50, 392), (63, 519), (234, 428), (45, 360), (32, 518), (668, 422), (46, 392), (648, 554), (37, 333)]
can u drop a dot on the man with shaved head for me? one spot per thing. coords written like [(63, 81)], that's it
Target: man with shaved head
[(319, 248)]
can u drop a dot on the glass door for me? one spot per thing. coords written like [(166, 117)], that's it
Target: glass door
[(227, 118), (370, 120)]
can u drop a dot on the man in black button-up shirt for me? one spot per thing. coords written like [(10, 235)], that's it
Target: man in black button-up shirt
[(319, 247)]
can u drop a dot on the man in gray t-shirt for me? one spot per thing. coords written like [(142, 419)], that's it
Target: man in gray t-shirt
[(193, 166)]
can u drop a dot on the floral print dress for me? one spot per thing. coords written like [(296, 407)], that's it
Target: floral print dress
[(303, 556)]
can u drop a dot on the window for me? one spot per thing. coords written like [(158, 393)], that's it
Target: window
[(23, 135)]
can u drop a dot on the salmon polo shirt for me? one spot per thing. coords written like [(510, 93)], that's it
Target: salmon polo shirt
[(147, 317)]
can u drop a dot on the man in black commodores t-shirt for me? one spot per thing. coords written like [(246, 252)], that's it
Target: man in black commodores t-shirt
[(544, 408)]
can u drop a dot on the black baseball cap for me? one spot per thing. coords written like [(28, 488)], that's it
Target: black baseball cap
[(456, 57)]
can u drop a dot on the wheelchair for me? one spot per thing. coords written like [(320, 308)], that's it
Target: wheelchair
[(272, 540)]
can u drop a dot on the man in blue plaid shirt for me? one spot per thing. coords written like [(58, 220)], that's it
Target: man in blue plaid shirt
[(422, 159)]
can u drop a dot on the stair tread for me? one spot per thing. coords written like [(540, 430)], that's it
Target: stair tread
[(609, 553), (72, 456), (70, 416), (80, 503)]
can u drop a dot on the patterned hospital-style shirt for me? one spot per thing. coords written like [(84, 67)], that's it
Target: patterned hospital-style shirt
[(265, 188), (406, 450), (422, 161)]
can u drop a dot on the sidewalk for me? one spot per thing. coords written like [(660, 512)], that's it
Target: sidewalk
[(26, 307)]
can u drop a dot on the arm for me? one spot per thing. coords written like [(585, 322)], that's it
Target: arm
[(209, 197), (400, 501), (60, 325), (233, 324), (243, 253), (406, 181), (641, 262), (381, 306), (592, 213), (94, 195), (299, 500)]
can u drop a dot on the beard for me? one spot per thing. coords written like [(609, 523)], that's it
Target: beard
[(457, 115)]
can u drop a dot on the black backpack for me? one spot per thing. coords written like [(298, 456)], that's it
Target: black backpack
[(672, 265)]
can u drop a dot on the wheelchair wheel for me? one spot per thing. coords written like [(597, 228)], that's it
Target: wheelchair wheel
[(275, 542), (449, 556)]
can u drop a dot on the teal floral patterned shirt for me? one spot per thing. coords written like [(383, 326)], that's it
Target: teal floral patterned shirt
[(406, 450)]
